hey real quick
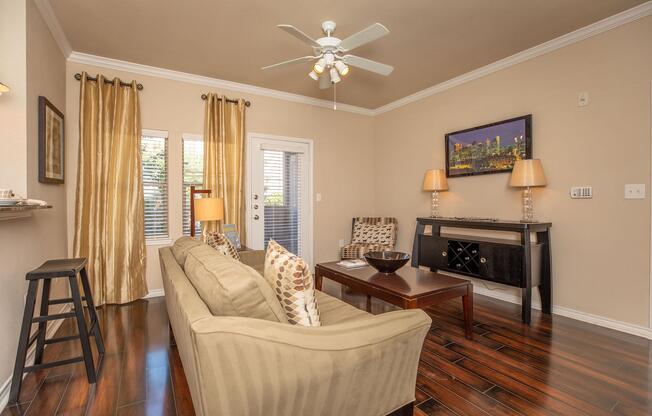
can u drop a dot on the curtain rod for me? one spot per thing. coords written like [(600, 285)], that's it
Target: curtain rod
[(108, 81), (228, 100)]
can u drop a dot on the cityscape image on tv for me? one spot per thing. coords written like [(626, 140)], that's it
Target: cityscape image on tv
[(489, 149)]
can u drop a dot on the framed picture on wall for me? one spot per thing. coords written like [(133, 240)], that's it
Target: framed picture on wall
[(51, 140), (491, 148)]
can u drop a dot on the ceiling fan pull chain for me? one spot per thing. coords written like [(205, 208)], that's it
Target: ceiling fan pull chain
[(334, 97)]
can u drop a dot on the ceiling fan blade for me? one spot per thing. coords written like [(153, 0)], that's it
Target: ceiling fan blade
[(291, 61), (299, 35), (325, 81), (373, 32), (368, 64)]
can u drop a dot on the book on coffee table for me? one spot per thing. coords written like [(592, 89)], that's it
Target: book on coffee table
[(352, 264)]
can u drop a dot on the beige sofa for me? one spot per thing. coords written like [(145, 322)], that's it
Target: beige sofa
[(354, 364)]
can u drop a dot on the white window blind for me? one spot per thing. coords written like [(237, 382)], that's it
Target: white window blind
[(193, 175), (282, 177), (154, 155)]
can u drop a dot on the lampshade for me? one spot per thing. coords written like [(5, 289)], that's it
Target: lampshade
[(528, 172), (342, 68), (209, 209), (335, 77), (435, 180), (3, 88)]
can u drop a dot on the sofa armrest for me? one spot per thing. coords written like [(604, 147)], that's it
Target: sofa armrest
[(362, 367), (254, 259)]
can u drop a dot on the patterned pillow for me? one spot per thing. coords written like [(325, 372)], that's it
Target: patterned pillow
[(372, 233), (292, 282), (222, 244)]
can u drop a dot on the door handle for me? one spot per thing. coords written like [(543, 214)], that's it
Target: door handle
[(256, 217)]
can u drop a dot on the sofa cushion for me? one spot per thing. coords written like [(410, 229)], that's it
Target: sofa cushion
[(358, 250), (254, 259), (334, 311), (222, 244), (291, 279), (181, 247), (230, 288)]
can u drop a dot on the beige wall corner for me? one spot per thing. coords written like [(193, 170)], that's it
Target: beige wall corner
[(601, 246), (27, 242)]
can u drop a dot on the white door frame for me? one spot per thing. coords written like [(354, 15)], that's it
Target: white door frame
[(649, 196), (308, 257)]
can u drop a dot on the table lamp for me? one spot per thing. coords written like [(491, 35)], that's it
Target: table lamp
[(435, 181), (204, 209), (526, 174)]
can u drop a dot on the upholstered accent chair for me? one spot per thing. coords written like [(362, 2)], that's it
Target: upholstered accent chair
[(370, 234)]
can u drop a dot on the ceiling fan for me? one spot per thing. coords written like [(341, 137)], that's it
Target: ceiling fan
[(331, 53)]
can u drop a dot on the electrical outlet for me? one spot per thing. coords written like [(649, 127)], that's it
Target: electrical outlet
[(581, 192), (583, 99), (635, 191), (341, 242)]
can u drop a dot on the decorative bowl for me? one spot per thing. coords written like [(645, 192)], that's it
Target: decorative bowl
[(386, 261)]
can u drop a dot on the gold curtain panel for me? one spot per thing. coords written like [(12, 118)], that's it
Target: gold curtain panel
[(109, 212), (224, 158)]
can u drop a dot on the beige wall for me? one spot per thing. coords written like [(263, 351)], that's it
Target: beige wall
[(343, 164), (601, 246), (25, 243), (13, 170)]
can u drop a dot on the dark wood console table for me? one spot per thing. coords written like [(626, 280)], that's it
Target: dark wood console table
[(523, 264)]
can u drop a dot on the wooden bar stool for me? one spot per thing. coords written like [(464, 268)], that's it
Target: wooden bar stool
[(49, 270)]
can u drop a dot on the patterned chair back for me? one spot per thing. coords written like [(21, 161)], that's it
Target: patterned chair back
[(376, 221)]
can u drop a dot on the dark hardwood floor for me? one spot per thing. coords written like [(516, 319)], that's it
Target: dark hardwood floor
[(556, 366)]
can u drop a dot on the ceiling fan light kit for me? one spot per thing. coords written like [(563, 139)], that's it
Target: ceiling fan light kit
[(332, 56)]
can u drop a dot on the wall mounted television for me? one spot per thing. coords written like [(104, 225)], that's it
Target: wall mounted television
[(491, 148)]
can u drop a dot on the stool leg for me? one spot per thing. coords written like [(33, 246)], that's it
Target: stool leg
[(21, 354), (42, 326), (83, 331), (99, 342)]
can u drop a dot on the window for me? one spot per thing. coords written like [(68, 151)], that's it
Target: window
[(281, 198), (193, 175), (154, 154)]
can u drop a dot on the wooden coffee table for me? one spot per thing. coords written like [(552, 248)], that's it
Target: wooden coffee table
[(408, 288)]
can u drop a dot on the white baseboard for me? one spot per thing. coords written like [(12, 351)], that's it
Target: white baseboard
[(52, 329), (628, 328), (155, 293)]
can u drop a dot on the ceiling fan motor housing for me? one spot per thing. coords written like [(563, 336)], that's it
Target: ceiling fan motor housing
[(328, 44)]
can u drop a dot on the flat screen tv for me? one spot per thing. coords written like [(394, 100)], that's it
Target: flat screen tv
[(492, 148)]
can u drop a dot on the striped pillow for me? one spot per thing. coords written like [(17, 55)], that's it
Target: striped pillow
[(292, 282)]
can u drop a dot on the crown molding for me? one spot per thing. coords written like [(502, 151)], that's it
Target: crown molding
[(51, 20), (87, 59), (622, 18)]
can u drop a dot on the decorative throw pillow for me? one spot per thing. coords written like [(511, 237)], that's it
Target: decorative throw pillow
[(292, 282), (222, 244), (374, 233)]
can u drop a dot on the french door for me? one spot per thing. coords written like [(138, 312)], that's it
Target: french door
[(279, 204)]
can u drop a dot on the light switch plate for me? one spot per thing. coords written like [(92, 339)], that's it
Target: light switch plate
[(581, 192), (583, 99), (318, 197), (635, 191)]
